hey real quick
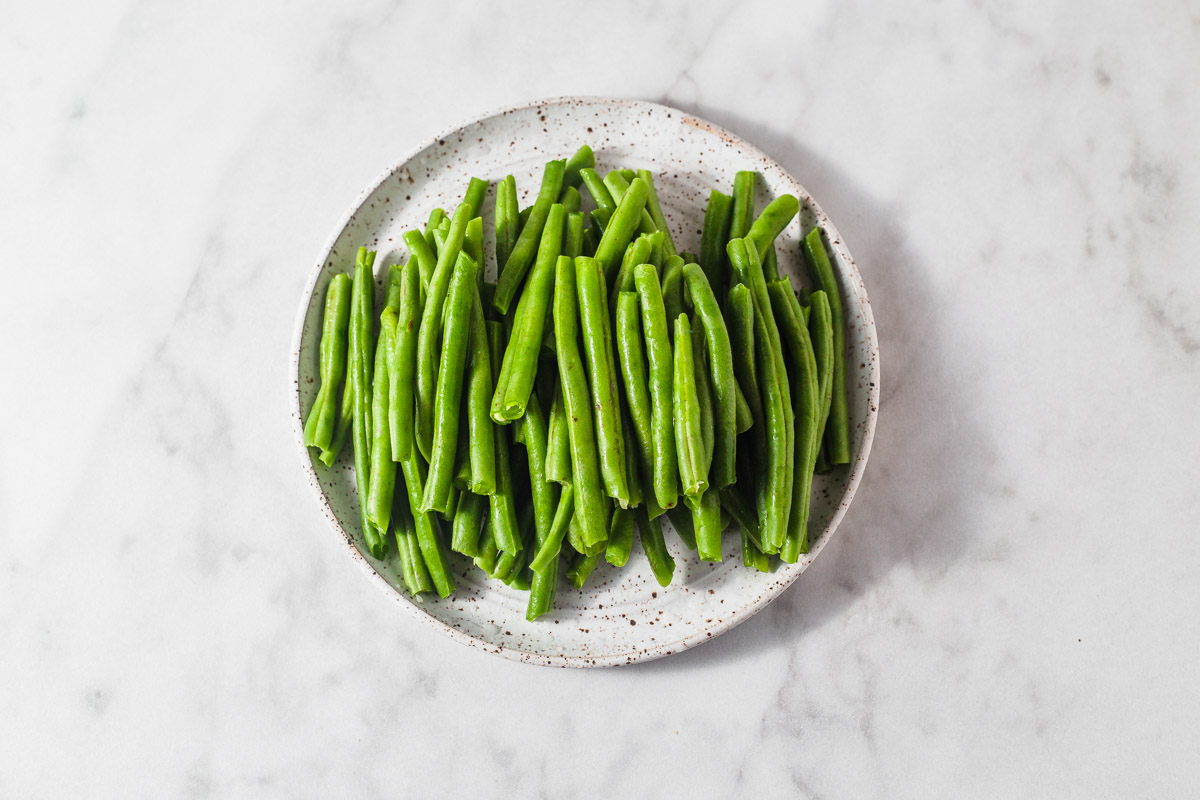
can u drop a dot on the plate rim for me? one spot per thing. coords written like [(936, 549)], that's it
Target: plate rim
[(660, 650)]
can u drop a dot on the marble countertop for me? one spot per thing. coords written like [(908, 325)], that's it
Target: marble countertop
[(1009, 610)]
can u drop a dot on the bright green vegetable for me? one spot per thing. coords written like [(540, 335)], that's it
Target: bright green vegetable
[(503, 509), (837, 432), (573, 237), (655, 547), (322, 417), (720, 362), (620, 537), (618, 183), (637, 253), (383, 468), (584, 459), (771, 222), (672, 289), (570, 199), (582, 568), (597, 348), (717, 219), (583, 158), (631, 356), (620, 229), (551, 546), (519, 369), (403, 363), (743, 204), (433, 549), (481, 442), (468, 518), (598, 191), (526, 248), (689, 441), (656, 214), (473, 241), (476, 191), (448, 399), (363, 290), (661, 385), (507, 219), (707, 525), (740, 319), (436, 217)]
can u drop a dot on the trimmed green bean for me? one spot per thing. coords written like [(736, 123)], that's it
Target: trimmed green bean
[(740, 312), (704, 393), (585, 472), (481, 455), (476, 191), (558, 446), (583, 158), (661, 385), (620, 537), (734, 503), (820, 326), (573, 237), (770, 262), (717, 218), (657, 256), (637, 253), (597, 348), (837, 432), (689, 442), (473, 241), (772, 220), (656, 213), (448, 399), (393, 287), (551, 546), (743, 204), (412, 565), (430, 331), (436, 217), (383, 468), (599, 218), (672, 289), (806, 403), (507, 219), (618, 183), (681, 521), (525, 250), (621, 228), (708, 526), (745, 420), (590, 239), (322, 417), (468, 518), (360, 336), (599, 192), (631, 356), (570, 199), (503, 502), (523, 219), (519, 370), (775, 492), (488, 552), (403, 363), (655, 547), (720, 360), (582, 568)]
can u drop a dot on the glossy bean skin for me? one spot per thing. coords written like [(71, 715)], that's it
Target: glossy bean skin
[(621, 228), (689, 440), (507, 219), (743, 204), (632, 359), (660, 368), (717, 218), (655, 547), (672, 289), (502, 508), (322, 417), (585, 469), (525, 250), (404, 362), (596, 188), (583, 158), (468, 521), (481, 441), (656, 214), (771, 222), (620, 537), (721, 375), (837, 431)]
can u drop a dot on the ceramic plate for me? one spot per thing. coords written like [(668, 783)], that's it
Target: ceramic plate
[(622, 615)]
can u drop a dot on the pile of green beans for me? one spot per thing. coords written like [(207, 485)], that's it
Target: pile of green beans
[(555, 407)]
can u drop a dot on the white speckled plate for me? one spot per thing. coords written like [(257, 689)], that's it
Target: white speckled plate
[(622, 615)]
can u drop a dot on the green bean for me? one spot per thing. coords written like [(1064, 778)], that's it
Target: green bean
[(551, 546), (451, 373), (430, 330), (837, 432), (383, 468), (704, 394), (590, 239), (598, 191), (599, 218), (770, 263), (391, 290), (322, 417), (523, 219), (661, 385), (509, 565), (734, 503), (421, 252), (717, 218), (618, 183), (806, 403), (461, 478), (656, 256), (637, 253), (436, 217), (582, 568), (655, 547), (412, 566), (620, 537), (360, 336), (672, 289), (708, 526), (631, 356), (681, 520), (772, 220), (775, 495), (503, 502), (743, 204), (720, 359), (656, 213), (689, 444), (740, 311), (507, 219), (820, 325), (527, 245), (621, 228), (488, 552), (476, 191), (558, 446), (585, 475), (481, 449), (403, 363), (744, 419), (583, 158), (468, 517), (570, 199), (473, 241), (531, 431), (752, 557), (633, 467), (519, 369), (542, 592), (597, 348), (573, 237)]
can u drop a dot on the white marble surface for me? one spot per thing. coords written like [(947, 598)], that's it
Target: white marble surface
[(1010, 610)]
